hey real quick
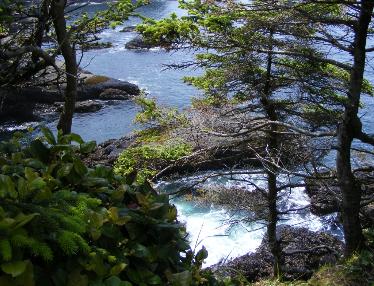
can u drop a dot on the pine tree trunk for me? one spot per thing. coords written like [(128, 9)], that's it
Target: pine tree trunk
[(271, 171), (274, 242), (71, 70), (350, 126)]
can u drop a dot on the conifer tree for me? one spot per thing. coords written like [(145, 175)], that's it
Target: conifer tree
[(255, 57), (343, 28)]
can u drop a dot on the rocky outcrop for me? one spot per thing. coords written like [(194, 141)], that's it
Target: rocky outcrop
[(21, 103), (83, 106), (107, 153), (305, 251), (128, 29), (113, 94), (95, 87), (326, 196), (138, 43), (232, 198)]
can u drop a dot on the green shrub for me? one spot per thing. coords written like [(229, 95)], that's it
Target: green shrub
[(62, 223), (148, 159)]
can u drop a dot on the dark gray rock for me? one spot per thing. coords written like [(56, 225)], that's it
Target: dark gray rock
[(87, 106), (15, 107), (138, 43), (92, 89), (107, 152), (21, 104), (326, 197), (114, 94), (82, 106), (128, 29)]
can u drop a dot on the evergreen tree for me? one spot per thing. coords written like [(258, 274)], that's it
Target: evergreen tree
[(342, 28), (255, 57)]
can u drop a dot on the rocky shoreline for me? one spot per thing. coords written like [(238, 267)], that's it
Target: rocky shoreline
[(326, 196), (30, 102), (304, 250)]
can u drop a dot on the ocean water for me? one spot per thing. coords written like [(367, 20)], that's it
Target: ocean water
[(225, 233)]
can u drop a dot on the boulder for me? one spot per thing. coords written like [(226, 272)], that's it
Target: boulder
[(107, 152), (15, 107), (87, 106), (114, 94), (21, 104), (128, 29), (82, 106), (138, 43), (326, 197), (93, 86)]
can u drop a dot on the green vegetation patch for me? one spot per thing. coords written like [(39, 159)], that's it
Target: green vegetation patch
[(62, 223), (150, 158)]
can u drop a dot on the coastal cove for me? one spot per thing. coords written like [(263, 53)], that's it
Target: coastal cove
[(254, 180), (207, 225)]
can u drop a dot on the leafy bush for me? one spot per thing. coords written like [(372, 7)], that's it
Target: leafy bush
[(155, 147), (149, 158), (162, 117), (62, 223)]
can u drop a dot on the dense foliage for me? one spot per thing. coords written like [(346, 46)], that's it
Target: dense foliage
[(154, 148), (62, 223)]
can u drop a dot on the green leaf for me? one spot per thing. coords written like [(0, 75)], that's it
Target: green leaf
[(30, 174), (22, 219), (181, 279), (65, 170), (39, 150), (5, 249), (77, 279), (115, 281), (15, 268), (154, 280), (117, 269), (49, 135), (7, 187), (75, 138), (87, 147), (141, 251), (113, 213), (27, 277), (202, 254), (80, 168), (93, 181), (34, 163), (37, 184)]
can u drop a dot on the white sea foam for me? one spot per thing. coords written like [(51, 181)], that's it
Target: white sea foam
[(209, 226)]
